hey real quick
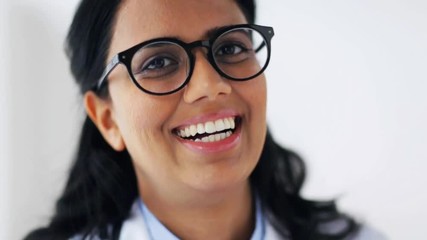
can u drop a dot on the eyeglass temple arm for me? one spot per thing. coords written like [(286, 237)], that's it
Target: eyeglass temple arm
[(113, 63), (260, 47)]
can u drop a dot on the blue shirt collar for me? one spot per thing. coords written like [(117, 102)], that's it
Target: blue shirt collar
[(156, 230)]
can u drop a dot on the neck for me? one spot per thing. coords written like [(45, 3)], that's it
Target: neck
[(225, 215)]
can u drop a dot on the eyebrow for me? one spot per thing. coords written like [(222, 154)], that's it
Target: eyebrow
[(213, 31), (209, 33)]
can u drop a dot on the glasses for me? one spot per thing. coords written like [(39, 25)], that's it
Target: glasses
[(164, 65)]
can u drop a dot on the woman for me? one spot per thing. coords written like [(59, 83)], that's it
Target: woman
[(175, 144)]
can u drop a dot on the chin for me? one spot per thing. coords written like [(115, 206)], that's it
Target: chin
[(220, 180)]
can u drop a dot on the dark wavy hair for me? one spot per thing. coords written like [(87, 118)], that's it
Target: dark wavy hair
[(102, 185)]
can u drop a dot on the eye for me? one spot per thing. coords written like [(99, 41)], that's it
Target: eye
[(229, 49), (231, 53), (158, 63), (158, 66)]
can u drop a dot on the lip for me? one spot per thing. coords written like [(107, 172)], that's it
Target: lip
[(213, 147), (210, 147)]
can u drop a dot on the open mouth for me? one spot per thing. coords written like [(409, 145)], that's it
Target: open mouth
[(211, 131)]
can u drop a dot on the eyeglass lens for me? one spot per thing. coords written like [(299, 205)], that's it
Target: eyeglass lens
[(162, 67)]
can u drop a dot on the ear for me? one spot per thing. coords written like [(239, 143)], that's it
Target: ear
[(100, 112)]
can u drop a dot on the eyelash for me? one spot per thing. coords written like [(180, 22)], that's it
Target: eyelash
[(221, 48), (153, 61)]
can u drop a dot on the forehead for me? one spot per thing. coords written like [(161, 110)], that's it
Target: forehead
[(141, 20)]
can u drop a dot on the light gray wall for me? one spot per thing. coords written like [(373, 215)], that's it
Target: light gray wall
[(43, 111), (347, 87), (4, 105)]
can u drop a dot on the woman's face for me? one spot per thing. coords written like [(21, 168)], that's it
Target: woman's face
[(148, 124)]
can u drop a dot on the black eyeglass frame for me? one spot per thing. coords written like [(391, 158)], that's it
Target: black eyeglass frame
[(125, 57)]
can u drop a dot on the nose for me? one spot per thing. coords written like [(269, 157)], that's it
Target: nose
[(205, 82)]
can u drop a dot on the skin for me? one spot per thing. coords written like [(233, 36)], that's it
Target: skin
[(195, 195)]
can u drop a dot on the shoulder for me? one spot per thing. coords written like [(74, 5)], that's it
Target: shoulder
[(367, 233), (133, 228), (80, 237)]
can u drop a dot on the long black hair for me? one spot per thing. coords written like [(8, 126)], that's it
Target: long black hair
[(102, 184)]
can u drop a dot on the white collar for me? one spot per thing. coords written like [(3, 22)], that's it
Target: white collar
[(135, 227)]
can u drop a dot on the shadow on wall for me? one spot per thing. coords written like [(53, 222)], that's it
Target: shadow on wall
[(44, 117)]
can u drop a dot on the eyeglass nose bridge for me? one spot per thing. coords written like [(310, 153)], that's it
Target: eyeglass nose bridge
[(203, 44), (200, 43)]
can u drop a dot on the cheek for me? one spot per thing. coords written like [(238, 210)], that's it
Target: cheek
[(259, 107), (141, 119), (254, 93), (256, 97), (261, 95)]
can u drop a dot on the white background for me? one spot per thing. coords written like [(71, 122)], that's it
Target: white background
[(347, 90)]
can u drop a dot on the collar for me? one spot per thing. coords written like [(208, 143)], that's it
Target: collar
[(135, 227), (156, 230)]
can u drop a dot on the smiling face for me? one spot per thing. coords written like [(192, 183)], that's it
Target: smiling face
[(159, 131)]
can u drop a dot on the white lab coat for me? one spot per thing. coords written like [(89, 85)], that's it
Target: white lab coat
[(134, 228)]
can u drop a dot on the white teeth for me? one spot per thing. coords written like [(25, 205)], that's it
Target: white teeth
[(209, 127), (200, 128), (214, 137), (232, 123), (217, 137), (193, 130), (219, 125), (227, 124)]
